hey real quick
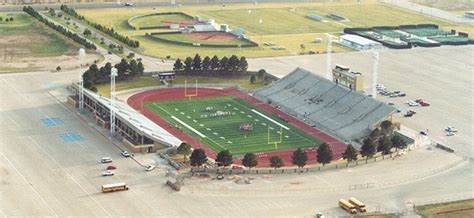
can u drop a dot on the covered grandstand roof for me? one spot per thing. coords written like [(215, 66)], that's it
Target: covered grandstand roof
[(322, 103), (359, 40), (136, 120)]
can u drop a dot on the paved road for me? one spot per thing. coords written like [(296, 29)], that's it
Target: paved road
[(430, 11)]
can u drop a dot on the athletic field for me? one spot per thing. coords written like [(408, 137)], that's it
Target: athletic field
[(217, 122)]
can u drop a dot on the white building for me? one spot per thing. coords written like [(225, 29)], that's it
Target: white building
[(358, 42)]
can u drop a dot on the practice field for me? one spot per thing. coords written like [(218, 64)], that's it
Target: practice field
[(216, 121), (161, 20)]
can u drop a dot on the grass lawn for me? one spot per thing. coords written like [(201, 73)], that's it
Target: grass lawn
[(459, 209), (222, 132), (158, 20), (29, 37), (277, 21), (243, 81), (283, 24)]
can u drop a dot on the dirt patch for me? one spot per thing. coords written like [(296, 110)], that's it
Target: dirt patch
[(212, 36), (181, 22), (14, 64)]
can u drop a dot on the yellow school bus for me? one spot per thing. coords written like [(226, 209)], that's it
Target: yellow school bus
[(358, 204), (347, 206), (114, 187)]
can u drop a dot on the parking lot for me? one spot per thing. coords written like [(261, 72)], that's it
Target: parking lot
[(440, 76)]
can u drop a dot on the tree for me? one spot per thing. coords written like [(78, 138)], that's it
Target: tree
[(141, 68), (134, 68), (224, 158), (184, 149), (198, 157), (131, 55), (276, 162), (178, 65), (87, 32), (58, 68), (197, 62), (243, 65), (188, 64), (233, 64), (386, 127), (1, 19), (299, 158), (206, 63), (368, 148), (224, 64), (215, 63), (375, 134), (250, 160), (398, 142), (252, 79), (350, 154), (384, 145), (324, 154), (261, 73)]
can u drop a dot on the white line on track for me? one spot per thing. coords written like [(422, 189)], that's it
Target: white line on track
[(29, 185)]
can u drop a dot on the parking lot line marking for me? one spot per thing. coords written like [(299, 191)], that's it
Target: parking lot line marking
[(70, 175), (29, 185)]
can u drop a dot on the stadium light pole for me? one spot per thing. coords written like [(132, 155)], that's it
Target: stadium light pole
[(328, 57), (82, 53), (113, 74), (261, 47), (375, 72)]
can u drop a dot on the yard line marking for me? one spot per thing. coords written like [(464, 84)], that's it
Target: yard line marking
[(270, 119), (188, 126)]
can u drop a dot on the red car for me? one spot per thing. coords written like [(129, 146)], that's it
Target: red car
[(111, 168), (424, 104)]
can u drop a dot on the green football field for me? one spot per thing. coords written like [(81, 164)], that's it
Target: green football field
[(216, 121)]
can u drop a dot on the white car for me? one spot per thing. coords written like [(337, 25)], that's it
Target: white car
[(450, 134), (108, 173), (149, 168), (412, 103), (125, 153), (106, 160), (129, 4), (451, 129)]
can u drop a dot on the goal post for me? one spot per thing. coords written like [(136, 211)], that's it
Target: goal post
[(275, 142), (189, 95)]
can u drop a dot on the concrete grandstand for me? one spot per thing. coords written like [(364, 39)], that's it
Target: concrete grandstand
[(321, 103)]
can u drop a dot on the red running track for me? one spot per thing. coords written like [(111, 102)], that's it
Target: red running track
[(136, 101)]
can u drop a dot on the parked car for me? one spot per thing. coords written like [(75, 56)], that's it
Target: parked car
[(409, 113), (396, 92), (402, 94), (412, 103), (220, 176), (391, 103), (393, 95), (106, 160), (450, 133), (423, 132), (451, 129), (236, 167), (125, 153), (129, 4), (111, 167), (108, 173), (424, 104), (149, 168)]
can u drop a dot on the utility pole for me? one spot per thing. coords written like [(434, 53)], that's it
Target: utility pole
[(375, 73), (82, 53), (328, 57), (113, 74)]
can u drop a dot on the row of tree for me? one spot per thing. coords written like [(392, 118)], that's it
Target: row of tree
[(224, 158), (225, 65), (126, 70), (382, 140), (59, 28), (6, 19), (109, 31)]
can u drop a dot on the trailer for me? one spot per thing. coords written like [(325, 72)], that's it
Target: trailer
[(347, 206), (358, 204)]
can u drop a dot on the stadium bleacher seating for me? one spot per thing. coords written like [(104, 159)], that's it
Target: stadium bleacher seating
[(329, 107)]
